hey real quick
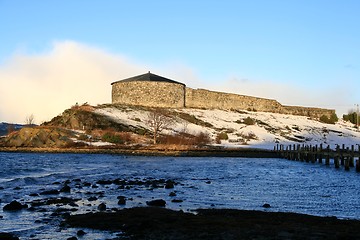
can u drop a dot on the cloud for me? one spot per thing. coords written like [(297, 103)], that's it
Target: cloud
[(46, 84)]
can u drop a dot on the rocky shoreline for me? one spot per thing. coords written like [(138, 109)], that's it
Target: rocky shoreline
[(161, 223), (159, 151)]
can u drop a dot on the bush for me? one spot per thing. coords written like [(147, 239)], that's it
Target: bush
[(249, 121), (332, 120), (83, 137), (221, 136), (201, 139), (112, 138)]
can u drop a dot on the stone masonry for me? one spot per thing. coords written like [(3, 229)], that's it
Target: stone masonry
[(155, 91)]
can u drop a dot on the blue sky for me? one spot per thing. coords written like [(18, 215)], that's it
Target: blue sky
[(299, 52)]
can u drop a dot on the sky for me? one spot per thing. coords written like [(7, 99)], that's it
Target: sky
[(54, 54)]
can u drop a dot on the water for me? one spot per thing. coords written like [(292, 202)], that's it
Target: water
[(240, 183)]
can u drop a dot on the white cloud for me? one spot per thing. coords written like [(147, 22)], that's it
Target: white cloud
[(46, 84)]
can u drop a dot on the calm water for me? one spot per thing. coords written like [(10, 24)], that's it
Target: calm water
[(240, 183)]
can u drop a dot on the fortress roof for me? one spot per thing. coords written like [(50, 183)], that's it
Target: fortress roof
[(148, 77)]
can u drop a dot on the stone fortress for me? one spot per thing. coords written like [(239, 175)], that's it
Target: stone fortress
[(155, 91)]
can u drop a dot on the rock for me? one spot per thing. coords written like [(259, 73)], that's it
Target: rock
[(50, 192), (33, 194), (14, 206), (80, 233), (208, 182), (104, 182), (90, 199), (122, 200), (177, 201), (65, 189), (266, 205), (102, 207), (156, 203), (72, 238), (169, 184), (172, 194), (72, 204), (87, 184), (8, 236), (1, 217)]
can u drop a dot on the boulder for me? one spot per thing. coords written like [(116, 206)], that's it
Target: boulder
[(156, 203), (65, 189), (122, 200), (266, 205), (14, 206), (8, 236), (102, 207), (169, 184), (80, 233), (50, 192), (172, 194)]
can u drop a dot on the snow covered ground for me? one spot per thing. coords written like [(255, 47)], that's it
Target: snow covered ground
[(265, 130)]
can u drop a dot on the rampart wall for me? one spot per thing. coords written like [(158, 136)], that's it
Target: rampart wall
[(201, 98), (177, 95)]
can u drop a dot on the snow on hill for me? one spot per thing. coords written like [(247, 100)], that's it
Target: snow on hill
[(245, 128)]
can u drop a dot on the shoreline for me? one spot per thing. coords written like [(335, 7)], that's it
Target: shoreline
[(136, 151), (162, 223)]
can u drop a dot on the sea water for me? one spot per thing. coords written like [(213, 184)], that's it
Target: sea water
[(202, 182)]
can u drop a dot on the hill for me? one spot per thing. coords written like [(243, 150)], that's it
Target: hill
[(119, 124), (6, 127)]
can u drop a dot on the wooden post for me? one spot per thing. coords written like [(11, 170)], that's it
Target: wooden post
[(327, 161), (336, 161), (342, 155), (336, 157), (358, 165), (307, 155), (347, 165), (320, 153), (352, 154), (313, 154)]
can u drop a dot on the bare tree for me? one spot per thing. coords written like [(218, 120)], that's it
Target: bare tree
[(158, 120), (30, 120)]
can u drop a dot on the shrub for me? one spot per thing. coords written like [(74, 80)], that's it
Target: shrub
[(249, 121), (83, 137), (221, 136), (112, 138), (199, 139), (332, 120), (202, 139)]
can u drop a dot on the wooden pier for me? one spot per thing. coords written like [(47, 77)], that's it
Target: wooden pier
[(346, 157)]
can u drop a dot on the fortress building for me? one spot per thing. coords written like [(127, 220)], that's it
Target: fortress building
[(155, 91)]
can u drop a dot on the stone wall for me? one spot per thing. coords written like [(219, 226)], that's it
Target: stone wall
[(307, 111), (176, 95), (147, 93), (201, 98)]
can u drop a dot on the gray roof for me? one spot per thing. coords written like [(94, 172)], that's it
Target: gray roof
[(148, 77)]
